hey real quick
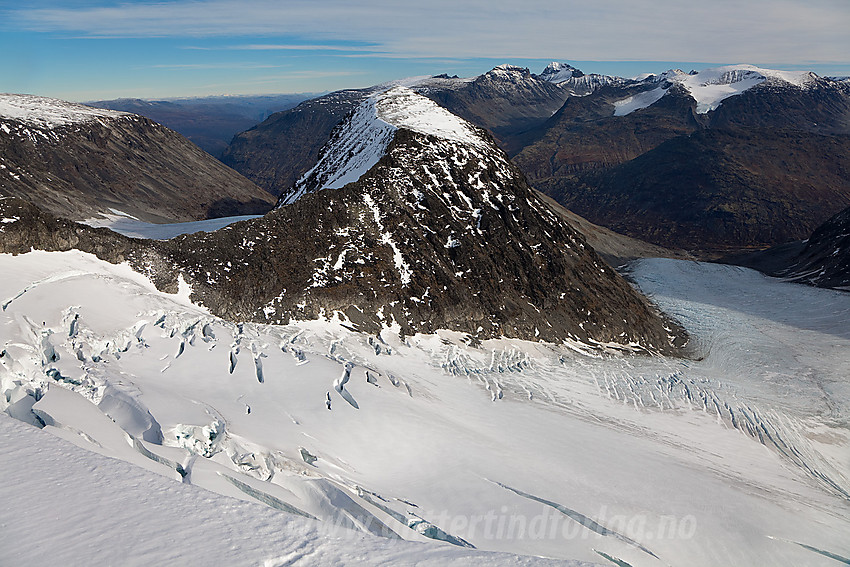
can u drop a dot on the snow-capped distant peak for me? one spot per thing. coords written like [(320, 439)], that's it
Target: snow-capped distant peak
[(556, 72), (710, 87), (507, 72), (49, 112)]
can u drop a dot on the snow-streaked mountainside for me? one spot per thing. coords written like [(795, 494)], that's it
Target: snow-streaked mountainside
[(512, 446), (46, 112), (556, 72), (357, 145), (360, 141), (575, 82), (506, 100), (713, 161), (710, 87)]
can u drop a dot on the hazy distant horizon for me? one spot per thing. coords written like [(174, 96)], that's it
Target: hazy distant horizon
[(104, 49)]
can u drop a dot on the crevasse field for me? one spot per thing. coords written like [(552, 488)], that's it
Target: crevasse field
[(141, 430)]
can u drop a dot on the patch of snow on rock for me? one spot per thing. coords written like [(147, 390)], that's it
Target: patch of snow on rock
[(638, 101)]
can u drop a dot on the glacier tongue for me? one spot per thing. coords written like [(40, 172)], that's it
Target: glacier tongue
[(508, 445)]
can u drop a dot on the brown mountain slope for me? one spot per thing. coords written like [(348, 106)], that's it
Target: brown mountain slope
[(766, 166), (82, 162)]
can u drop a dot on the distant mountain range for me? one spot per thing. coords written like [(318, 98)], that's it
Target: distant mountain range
[(713, 161), (209, 122), (724, 159)]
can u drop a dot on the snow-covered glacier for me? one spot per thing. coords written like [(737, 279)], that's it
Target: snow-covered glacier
[(167, 434)]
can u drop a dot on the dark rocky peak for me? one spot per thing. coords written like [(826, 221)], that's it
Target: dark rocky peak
[(507, 74), (577, 83), (437, 229)]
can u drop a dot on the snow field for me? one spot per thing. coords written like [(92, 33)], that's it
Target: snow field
[(512, 446)]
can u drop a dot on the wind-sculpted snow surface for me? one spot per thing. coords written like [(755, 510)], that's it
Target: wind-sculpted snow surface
[(504, 445)]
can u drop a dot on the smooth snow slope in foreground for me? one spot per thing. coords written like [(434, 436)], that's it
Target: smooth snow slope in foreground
[(738, 458)]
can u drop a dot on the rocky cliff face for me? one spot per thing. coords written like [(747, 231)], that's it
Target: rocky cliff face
[(439, 231), (822, 260), (825, 261), (77, 161)]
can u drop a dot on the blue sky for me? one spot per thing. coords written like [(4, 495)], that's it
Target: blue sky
[(90, 49)]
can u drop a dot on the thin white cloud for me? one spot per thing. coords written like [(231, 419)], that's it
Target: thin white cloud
[(604, 30), (285, 47), (205, 66)]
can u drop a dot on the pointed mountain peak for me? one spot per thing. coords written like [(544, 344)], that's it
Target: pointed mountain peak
[(556, 72)]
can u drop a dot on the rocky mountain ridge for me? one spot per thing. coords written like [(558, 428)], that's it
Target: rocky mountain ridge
[(506, 100), (77, 162)]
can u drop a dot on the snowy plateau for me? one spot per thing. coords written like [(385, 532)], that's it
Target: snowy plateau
[(50, 113), (168, 435)]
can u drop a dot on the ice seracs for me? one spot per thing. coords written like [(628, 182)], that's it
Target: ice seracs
[(537, 434)]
